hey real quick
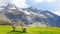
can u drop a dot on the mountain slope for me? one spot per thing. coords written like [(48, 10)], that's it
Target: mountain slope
[(31, 16)]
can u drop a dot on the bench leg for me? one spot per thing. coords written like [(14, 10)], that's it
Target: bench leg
[(24, 29), (13, 28)]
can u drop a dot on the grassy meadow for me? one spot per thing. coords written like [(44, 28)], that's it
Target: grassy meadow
[(30, 30)]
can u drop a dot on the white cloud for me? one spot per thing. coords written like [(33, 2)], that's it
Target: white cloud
[(57, 12), (18, 3), (40, 1), (4, 2), (26, 12), (50, 0)]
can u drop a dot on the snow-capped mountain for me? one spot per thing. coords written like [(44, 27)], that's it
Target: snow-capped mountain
[(31, 16)]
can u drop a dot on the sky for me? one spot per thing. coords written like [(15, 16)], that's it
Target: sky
[(51, 5)]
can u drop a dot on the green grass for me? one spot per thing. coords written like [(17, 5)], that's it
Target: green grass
[(30, 30)]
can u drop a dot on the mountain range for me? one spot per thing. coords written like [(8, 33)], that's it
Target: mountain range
[(30, 16)]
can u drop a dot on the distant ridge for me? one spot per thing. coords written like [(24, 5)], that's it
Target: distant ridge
[(31, 16)]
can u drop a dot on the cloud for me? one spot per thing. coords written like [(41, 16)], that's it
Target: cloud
[(50, 0), (18, 3), (40, 1), (4, 2), (26, 12), (57, 12)]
